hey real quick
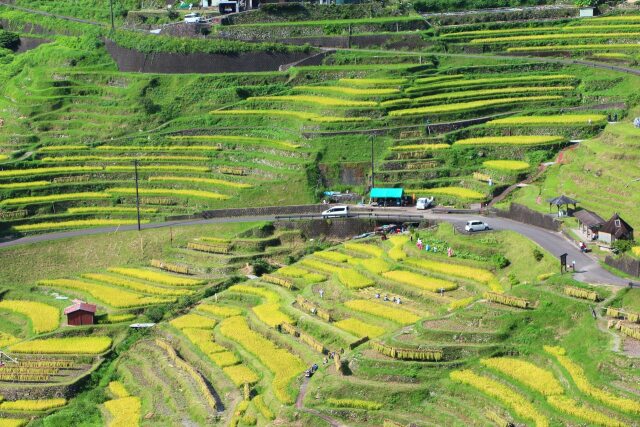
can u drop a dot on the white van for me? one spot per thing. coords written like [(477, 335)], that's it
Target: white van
[(476, 225), (424, 203), (192, 18), (336, 212)]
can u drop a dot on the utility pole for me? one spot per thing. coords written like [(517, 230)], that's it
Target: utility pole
[(135, 167), (113, 26), (373, 177)]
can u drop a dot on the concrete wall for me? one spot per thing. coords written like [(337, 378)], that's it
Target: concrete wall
[(628, 265)]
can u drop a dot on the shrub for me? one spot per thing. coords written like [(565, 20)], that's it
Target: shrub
[(622, 246), (73, 345), (43, 317), (385, 311), (500, 261), (537, 254)]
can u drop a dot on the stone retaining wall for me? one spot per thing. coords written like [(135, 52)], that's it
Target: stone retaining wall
[(624, 263), (522, 213)]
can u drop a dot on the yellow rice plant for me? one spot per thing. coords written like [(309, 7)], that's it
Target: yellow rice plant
[(158, 168), (277, 280), (158, 148), (241, 374), (460, 303), (293, 271), (534, 377), (125, 412), (43, 317), (224, 359), (191, 320), (300, 115), (219, 310), (268, 295), (117, 318), (512, 140), (120, 158), (560, 120), (114, 297), (203, 339), (374, 265), (419, 281), (332, 256), (270, 314), (284, 365), (319, 265), (372, 82), (63, 148), (76, 224), (237, 139), (459, 192), (353, 279), (324, 101), (312, 278), (200, 194), (117, 389), (262, 407), (156, 277), (109, 210), (509, 300), (12, 422), (457, 270), (551, 37), (211, 181), (396, 252), (382, 310), (12, 173), (350, 91), (55, 198), (517, 402), (359, 328), (32, 405), (636, 250), (570, 406), (71, 345), (168, 266), (507, 165), (583, 384), (420, 147), (365, 248), (487, 93), (354, 403), (29, 184), (135, 285), (471, 105), (495, 80), (581, 293), (435, 79), (7, 339)]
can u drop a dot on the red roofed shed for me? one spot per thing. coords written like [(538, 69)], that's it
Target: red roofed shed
[(80, 313)]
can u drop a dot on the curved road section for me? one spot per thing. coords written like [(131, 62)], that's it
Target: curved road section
[(588, 269)]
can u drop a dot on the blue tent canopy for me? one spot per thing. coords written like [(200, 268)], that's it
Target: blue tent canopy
[(386, 193)]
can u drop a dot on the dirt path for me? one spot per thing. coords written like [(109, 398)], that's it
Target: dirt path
[(300, 405)]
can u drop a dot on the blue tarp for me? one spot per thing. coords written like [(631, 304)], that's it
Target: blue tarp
[(386, 193)]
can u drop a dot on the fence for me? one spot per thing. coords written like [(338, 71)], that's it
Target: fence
[(522, 213)]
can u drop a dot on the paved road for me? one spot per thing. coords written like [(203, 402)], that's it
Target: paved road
[(587, 266)]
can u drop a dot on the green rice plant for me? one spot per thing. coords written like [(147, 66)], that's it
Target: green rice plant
[(32, 405), (21, 185), (471, 105), (340, 90), (169, 192), (365, 248), (234, 139), (426, 283), (486, 93), (354, 404), (459, 192), (372, 82), (43, 317), (51, 198), (284, 365), (502, 80), (109, 210), (115, 297), (506, 165), (262, 407), (324, 101), (190, 179), (553, 37), (494, 389), (420, 147), (512, 140), (434, 79), (574, 47), (359, 328), (353, 279), (300, 115), (12, 173), (158, 168), (158, 148), (69, 345), (385, 311), (534, 377), (76, 224), (157, 277)]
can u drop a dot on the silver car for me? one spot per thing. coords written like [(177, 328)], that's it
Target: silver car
[(476, 225)]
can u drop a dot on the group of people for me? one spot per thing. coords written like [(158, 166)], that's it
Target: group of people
[(583, 247), (427, 247), (386, 298)]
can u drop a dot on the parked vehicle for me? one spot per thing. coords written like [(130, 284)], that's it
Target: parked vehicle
[(336, 212), (476, 225), (424, 203), (192, 18)]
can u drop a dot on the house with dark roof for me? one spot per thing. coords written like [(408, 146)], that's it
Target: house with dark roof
[(589, 222), (80, 313), (614, 229)]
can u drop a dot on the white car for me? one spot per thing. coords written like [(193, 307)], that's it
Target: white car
[(476, 225), (336, 212), (424, 203), (192, 18)]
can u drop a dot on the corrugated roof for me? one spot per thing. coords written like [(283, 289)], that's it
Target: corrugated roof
[(80, 306), (588, 218), (386, 193)]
